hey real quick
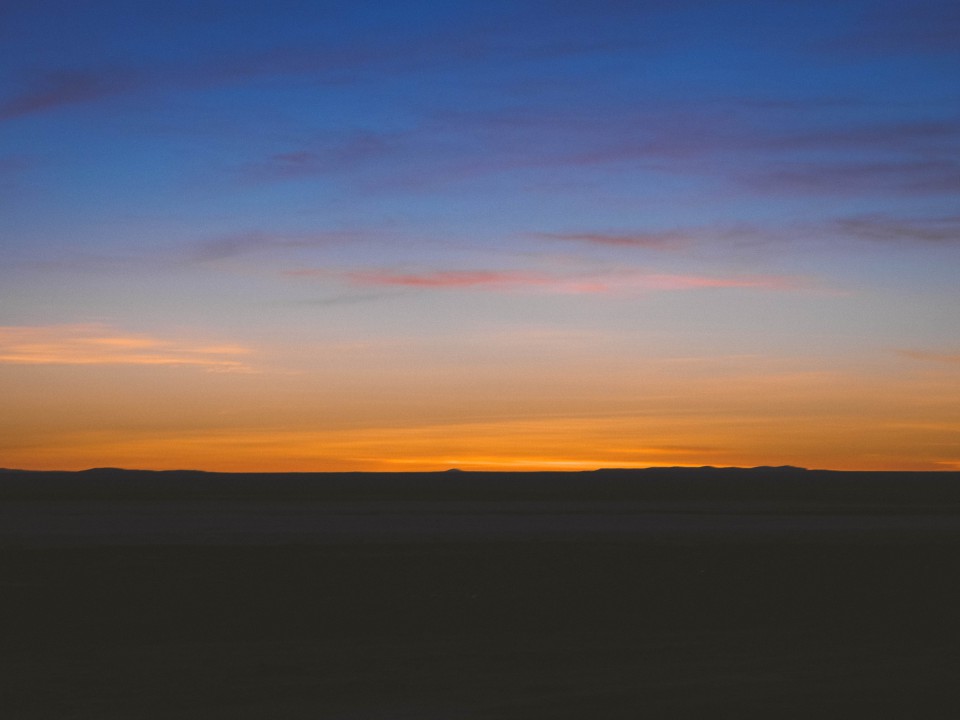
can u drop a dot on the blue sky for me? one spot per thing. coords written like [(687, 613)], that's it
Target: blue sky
[(615, 182)]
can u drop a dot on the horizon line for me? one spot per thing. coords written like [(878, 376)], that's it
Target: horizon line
[(460, 471)]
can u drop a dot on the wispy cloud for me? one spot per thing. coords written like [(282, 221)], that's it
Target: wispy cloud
[(691, 282), (64, 87), (921, 26), (261, 245), (613, 282), (95, 344), (757, 150), (886, 228), (950, 358), (915, 157), (336, 155), (51, 90), (13, 165), (492, 37), (340, 300), (911, 177), (913, 136), (666, 240), (449, 279), (236, 245)]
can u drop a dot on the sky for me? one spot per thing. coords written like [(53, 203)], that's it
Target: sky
[(525, 235)]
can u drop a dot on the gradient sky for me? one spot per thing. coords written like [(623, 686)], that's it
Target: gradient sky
[(502, 235)]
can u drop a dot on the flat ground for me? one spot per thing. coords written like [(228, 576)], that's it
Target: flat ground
[(522, 614)]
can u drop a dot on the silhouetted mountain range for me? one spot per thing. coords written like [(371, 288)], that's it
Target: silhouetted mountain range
[(785, 484)]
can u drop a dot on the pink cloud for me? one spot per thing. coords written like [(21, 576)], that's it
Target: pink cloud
[(617, 282), (450, 279)]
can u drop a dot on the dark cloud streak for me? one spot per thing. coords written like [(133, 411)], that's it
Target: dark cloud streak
[(912, 157), (917, 136), (496, 41), (336, 155), (233, 246), (905, 178), (920, 27), (49, 91), (667, 240), (884, 228)]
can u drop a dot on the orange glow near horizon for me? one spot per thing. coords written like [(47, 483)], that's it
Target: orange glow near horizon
[(583, 444), (88, 396)]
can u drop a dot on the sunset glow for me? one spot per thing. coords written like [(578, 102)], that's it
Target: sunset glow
[(479, 235)]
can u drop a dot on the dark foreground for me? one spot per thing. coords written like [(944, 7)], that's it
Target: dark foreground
[(658, 605)]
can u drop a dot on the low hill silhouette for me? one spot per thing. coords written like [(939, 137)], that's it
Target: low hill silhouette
[(778, 485)]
